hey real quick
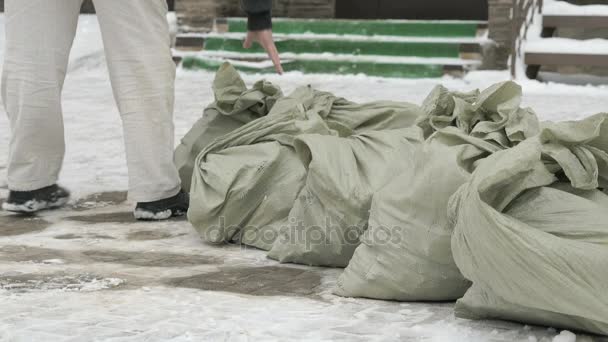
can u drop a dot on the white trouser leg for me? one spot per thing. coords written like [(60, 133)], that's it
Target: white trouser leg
[(39, 35), (137, 44)]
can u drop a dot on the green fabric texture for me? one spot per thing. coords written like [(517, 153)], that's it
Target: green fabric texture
[(467, 197)]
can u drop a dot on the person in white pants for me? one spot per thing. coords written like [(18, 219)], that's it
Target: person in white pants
[(39, 36)]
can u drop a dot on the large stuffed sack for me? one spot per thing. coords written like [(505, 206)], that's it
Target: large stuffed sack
[(405, 253), (536, 249), (332, 210), (234, 106), (245, 182), (528, 222)]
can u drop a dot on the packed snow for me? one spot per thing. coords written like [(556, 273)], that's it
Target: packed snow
[(90, 273), (564, 8), (565, 336), (342, 57), (596, 46), (349, 37)]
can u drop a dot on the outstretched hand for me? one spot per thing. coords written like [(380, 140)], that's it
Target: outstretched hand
[(264, 38)]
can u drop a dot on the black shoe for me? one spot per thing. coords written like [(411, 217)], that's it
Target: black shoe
[(163, 209), (28, 202)]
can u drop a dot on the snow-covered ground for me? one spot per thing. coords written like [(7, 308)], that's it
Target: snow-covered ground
[(557, 7), (90, 273)]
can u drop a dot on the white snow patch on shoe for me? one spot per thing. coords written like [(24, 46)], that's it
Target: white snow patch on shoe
[(151, 216), (34, 206)]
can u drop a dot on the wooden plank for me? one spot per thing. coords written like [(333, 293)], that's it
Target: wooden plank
[(582, 21), (534, 58)]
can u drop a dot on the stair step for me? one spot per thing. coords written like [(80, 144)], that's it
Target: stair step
[(190, 42), (578, 21), (564, 52), (566, 45), (401, 28), (469, 49), (386, 48), (394, 60), (334, 64), (563, 58)]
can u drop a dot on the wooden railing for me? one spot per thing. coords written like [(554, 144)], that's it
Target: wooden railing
[(522, 16)]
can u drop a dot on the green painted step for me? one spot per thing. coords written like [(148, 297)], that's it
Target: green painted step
[(366, 27), (346, 47), (330, 67)]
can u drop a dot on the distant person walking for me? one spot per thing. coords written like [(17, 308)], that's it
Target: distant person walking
[(39, 36)]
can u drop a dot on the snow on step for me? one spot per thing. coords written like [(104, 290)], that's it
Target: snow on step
[(390, 48), (357, 38), (417, 28), (341, 58), (563, 8), (568, 46)]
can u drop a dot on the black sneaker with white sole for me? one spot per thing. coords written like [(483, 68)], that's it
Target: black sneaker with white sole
[(163, 209), (28, 202)]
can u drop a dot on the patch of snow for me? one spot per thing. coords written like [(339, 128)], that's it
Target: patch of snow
[(259, 64), (351, 37), (148, 215), (161, 313), (33, 206), (565, 336), (97, 284), (449, 332), (566, 45), (173, 27), (87, 51), (338, 57), (79, 283), (563, 8)]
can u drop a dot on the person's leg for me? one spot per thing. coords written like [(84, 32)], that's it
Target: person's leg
[(39, 35), (137, 45)]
